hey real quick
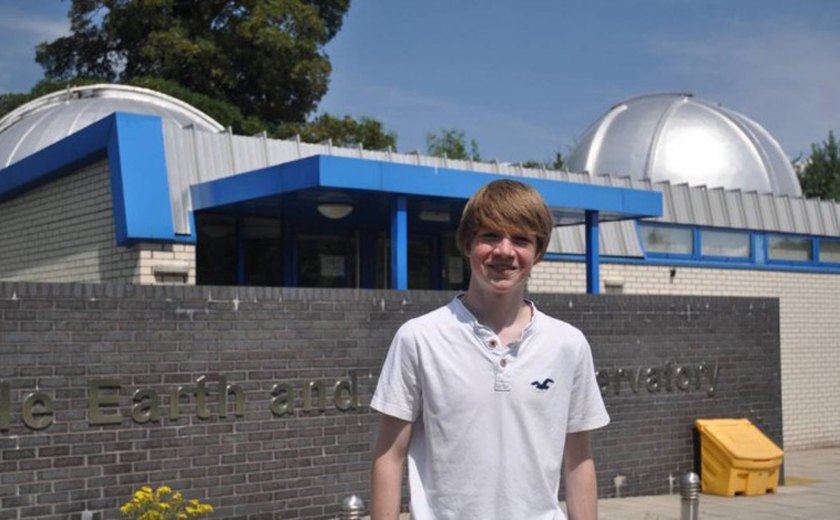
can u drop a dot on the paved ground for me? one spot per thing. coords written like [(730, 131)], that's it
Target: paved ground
[(813, 492)]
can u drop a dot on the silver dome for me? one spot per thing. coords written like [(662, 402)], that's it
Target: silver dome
[(43, 121), (683, 139)]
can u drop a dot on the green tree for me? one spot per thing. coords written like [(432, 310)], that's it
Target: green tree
[(343, 131), (558, 163), (820, 175), (11, 100), (452, 144), (265, 57)]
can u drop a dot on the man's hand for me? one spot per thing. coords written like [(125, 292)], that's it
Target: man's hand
[(579, 475), (389, 458)]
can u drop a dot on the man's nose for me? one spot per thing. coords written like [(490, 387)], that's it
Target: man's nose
[(504, 246)]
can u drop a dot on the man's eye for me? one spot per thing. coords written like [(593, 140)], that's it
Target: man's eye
[(490, 237), (522, 240)]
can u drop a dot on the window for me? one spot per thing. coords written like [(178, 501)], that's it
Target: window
[(668, 240), (326, 260), (789, 248), (724, 243), (830, 251), (215, 249), (263, 251)]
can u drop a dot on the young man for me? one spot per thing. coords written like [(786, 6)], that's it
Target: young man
[(487, 396)]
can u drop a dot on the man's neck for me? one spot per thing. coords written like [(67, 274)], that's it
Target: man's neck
[(506, 314)]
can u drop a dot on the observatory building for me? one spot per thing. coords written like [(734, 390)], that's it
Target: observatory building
[(664, 194)]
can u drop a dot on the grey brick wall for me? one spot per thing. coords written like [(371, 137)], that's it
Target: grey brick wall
[(56, 338)]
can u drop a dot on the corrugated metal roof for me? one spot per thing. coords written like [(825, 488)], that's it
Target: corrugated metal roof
[(194, 157)]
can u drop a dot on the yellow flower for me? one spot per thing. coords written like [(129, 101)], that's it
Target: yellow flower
[(162, 504)]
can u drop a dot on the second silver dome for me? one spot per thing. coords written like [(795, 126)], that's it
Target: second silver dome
[(683, 139)]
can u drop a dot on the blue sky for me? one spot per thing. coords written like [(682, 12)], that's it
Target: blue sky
[(525, 78)]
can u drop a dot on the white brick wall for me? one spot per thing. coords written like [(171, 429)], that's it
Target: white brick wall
[(64, 232), (809, 328)]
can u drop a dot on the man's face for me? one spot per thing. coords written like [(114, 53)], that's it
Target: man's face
[(500, 261)]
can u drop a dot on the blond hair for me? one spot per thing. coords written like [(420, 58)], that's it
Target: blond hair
[(509, 206)]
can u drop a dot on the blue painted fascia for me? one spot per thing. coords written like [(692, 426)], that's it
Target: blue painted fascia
[(139, 181), (56, 160), (265, 182), (134, 147), (323, 171)]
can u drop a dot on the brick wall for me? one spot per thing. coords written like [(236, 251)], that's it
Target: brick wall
[(64, 232), (809, 328), (55, 339)]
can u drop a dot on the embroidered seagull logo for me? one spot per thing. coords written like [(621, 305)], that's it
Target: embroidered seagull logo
[(544, 385)]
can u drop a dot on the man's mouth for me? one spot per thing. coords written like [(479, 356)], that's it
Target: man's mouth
[(502, 267)]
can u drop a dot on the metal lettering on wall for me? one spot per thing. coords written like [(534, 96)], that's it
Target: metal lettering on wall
[(654, 379), (105, 406), (219, 399)]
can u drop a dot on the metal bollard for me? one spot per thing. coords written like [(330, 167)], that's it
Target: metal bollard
[(690, 496), (352, 508)]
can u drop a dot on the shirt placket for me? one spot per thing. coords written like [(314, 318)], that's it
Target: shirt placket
[(502, 357)]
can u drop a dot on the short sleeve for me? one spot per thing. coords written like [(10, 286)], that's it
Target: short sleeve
[(398, 391), (586, 407)]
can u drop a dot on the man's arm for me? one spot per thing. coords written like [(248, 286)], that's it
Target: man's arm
[(389, 458), (579, 475)]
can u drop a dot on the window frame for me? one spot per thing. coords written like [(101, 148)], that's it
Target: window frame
[(750, 256), (819, 257), (813, 251)]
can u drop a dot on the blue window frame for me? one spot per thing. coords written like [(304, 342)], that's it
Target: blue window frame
[(794, 249), (667, 241), (725, 245), (829, 251), (696, 244), (667, 244)]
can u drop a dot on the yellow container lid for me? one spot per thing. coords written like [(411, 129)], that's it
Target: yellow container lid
[(740, 438)]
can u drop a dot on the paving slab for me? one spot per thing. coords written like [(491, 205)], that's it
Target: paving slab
[(813, 493)]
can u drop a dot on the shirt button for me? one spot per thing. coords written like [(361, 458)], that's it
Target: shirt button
[(503, 363), (493, 343)]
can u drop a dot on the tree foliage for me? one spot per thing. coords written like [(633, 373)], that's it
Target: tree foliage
[(342, 131), (265, 57), (820, 175), (557, 163), (452, 144), (11, 100)]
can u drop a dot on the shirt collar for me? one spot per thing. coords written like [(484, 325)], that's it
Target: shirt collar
[(464, 314)]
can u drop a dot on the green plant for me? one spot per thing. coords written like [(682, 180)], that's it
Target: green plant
[(162, 504)]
